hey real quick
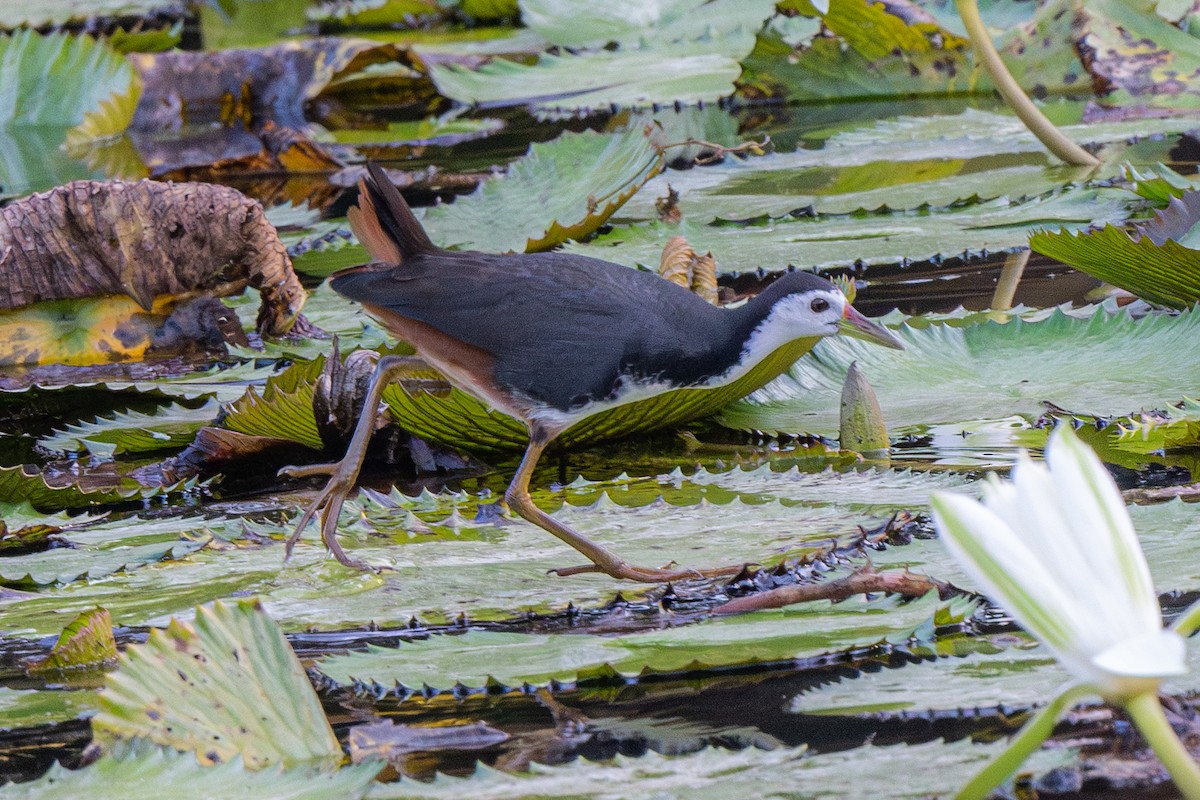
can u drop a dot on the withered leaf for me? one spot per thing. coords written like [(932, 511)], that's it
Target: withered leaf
[(247, 86), (145, 239)]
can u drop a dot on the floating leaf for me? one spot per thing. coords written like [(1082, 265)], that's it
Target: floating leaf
[(225, 686), (715, 773), (865, 238), (86, 642), (1158, 260), (371, 13), (1179, 426), (560, 190), (635, 25), (23, 483), (27, 709), (45, 13), (285, 408), (681, 51), (1160, 183), (493, 567), (177, 775), (1054, 354), (133, 431), (67, 565), (475, 658), (874, 54), (59, 79)]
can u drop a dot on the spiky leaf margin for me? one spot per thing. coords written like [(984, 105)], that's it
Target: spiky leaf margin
[(1147, 261), (224, 686), (560, 190)]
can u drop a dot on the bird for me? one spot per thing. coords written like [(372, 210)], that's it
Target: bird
[(555, 340)]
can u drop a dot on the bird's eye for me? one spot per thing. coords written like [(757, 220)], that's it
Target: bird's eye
[(820, 305)]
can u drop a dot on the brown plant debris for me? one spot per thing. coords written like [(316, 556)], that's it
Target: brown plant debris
[(248, 87), (682, 265), (145, 239), (864, 580)]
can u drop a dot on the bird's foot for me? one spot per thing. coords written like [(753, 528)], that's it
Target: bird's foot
[(328, 504), (629, 572)]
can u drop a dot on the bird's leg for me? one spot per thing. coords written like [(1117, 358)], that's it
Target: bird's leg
[(344, 473), (603, 559)]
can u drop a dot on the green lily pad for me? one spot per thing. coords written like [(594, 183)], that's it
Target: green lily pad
[(284, 410), (23, 483), (1158, 260), (44, 13), (567, 23), (59, 79), (225, 686), (450, 563), (1055, 354), (177, 775), (476, 658), (883, 237), (874, 54), (560, 190), (1178, 426), (22, 708), (969, 673), (682, 51), (718, 774), (172, 426), (64, 566)]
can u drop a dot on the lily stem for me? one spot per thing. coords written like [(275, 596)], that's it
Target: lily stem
[(1030, 738), (1152, 723), (1189, 620), (1034, 119)]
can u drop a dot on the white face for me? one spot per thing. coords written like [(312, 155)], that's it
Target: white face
[(801, 315), (817, 312)]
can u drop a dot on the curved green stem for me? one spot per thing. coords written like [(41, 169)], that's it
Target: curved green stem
[(1189, 621), (1030, 738), (1035, 120), (1152, 723)]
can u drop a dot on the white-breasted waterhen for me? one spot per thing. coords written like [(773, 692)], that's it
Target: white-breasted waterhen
[(553, 339)]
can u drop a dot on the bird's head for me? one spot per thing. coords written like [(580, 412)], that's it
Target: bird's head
[(806, 305)]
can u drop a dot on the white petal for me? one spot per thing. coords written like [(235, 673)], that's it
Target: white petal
[(1037, 514), (1008, 572), (1135, 666), (1100, 522)]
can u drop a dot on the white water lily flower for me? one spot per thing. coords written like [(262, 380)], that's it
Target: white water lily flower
[(1057, 549)]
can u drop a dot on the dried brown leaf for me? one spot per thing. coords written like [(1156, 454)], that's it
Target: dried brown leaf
[(145, 239)]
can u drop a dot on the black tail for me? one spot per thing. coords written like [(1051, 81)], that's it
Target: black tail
[(384, 223)]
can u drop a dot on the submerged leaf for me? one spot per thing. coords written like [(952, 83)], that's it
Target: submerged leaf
[(225, 686)]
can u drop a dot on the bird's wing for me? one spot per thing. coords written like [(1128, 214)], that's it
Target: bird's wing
[(563, 329)]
